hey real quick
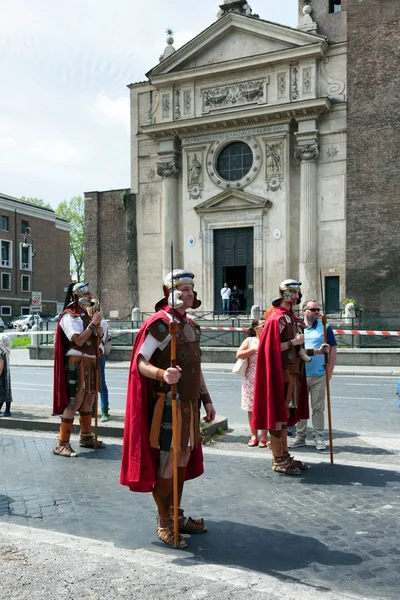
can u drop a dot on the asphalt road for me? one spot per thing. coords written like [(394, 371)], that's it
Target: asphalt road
[(68, 530), (358, 403)]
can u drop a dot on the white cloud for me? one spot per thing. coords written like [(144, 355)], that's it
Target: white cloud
[(113, 110), (8, 143), (59, 152)]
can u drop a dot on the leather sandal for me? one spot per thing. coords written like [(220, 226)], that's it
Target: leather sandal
[(86, 440), (64, 449), (189, 525), (297, 463), (280, 465), (165, 532)]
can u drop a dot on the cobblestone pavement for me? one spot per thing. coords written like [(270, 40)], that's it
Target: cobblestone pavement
[(330, 533)]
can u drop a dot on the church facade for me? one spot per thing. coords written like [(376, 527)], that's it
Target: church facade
[(238, 156)]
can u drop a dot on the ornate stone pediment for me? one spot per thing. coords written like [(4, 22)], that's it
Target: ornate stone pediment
[(230, 200), (232, 38)]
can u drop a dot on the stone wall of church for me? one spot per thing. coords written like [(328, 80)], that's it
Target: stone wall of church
[(373, 170), (105, 251)]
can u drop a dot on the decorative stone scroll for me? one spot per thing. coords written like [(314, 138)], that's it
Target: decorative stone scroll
[(167, 169), (274, 166), (236, 94)]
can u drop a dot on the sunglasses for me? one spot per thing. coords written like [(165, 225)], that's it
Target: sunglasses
[(314, 309)]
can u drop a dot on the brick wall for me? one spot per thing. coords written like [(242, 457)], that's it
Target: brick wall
[(373, 171), (106, 267)]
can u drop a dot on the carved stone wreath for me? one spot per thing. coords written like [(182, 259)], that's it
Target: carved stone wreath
[(212, 158)]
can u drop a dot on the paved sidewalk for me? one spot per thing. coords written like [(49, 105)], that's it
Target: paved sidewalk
[(20, 358)]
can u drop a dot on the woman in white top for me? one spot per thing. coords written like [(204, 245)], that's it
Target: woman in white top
[(249, 349)]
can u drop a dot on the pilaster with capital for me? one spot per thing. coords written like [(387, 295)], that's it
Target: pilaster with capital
[(168, 168), (307, 152)]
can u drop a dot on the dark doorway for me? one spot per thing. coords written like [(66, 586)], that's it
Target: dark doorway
[(233, 264), (332, 294)]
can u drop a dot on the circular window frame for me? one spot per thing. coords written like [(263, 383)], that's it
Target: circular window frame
[(212, 159)]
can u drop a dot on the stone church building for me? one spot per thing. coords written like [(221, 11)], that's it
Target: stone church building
[(239, 156)]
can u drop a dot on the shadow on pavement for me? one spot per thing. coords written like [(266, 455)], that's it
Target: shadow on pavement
[(5, 502), (110, 452), (327, 474), (264, 550)]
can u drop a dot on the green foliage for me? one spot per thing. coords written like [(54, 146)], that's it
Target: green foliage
[(37, 202), (73, 211), (21, 341), (353, 301)]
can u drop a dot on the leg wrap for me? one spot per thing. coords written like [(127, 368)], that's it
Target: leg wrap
[(276, 443), (284, 439), (85, 420), (65, 430)]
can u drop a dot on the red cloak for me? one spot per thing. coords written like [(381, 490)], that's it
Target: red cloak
[(60, 398), (269, 405), (139, 461)]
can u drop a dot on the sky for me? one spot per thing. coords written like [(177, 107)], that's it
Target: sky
[(64, 71)]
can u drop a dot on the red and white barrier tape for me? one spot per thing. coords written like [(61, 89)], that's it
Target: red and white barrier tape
[(240, 329)]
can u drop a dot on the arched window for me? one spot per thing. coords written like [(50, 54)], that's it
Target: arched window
[(335, 6)]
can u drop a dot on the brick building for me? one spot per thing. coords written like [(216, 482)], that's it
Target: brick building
[(372, 31), (110, 256), (37, 262)]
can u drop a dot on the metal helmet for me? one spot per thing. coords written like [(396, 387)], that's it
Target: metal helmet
[(79, 290), (179, 276), (287, 286)]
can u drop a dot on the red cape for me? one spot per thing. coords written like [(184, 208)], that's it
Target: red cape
[(139, 461), (269, 405), (60, 398)]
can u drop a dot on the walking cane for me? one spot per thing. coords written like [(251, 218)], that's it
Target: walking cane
[(324, 320), (173, 330)]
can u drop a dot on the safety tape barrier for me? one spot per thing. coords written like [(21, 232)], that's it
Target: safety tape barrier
[(240, 329)]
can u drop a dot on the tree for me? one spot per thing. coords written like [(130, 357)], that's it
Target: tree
[(73, 211), (37, 201)]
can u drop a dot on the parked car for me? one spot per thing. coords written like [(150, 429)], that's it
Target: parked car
[(54, 319), (2, 325), (27, 321)]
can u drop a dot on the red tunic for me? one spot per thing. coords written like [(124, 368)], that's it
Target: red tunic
[(139, 461), (60, 397), (269, 406)]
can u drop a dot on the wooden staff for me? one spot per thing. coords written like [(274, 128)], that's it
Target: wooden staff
[(96, 399), (173, 331), (328, 388)]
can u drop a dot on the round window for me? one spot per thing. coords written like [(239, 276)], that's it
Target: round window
[(234, 161)]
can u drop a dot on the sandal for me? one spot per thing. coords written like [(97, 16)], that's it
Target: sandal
[(64, 449), (87, 441), (263, 444), (165, 531), (252, 443), (280, 465), (189, 525), (297, 463)]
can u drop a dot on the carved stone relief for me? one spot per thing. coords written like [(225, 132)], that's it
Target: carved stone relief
[(150, 118), (195, 175), (166, 106), (274, 167), (177, 108), (282, 86), (151, 173), (187, 102), (294, 83), (307, 152), (237, 94), (167, 169), (307, 89), (332, 152), (335, 86)]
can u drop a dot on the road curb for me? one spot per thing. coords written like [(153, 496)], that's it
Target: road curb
[(112, 430)]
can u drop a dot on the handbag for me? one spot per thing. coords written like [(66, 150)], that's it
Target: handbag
[(240, 367), (107, 346)]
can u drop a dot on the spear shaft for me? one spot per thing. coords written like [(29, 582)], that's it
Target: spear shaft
[(173, 331)]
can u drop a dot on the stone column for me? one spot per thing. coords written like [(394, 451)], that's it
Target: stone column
[(307, 151), (168, 169)]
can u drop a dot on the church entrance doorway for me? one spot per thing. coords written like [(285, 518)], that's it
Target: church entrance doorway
[(233, 264)]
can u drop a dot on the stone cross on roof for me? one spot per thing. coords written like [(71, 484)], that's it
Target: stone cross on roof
[(241, 7)]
